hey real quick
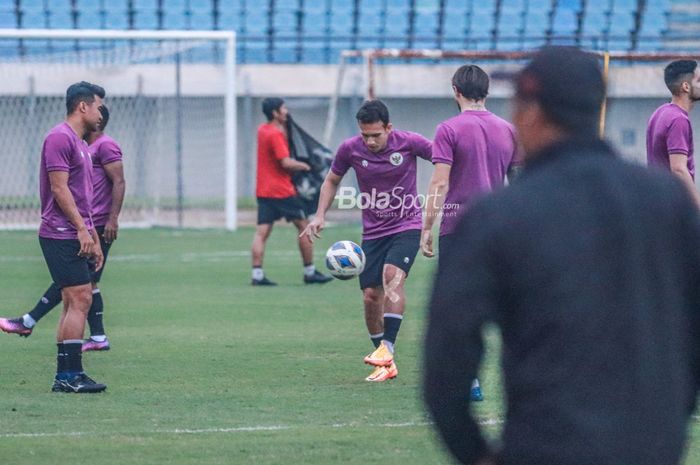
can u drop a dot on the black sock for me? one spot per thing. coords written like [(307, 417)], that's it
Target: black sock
[(95, 315), (74, 355), (392, 323), (376, 339), (48, 301), (61, 359)]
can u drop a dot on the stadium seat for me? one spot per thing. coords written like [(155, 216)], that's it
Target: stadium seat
[(201, 21), (454, 26), (8, 20), (174, 20), (595, 23), (425, 23), (116, 20), (565, 22), (621, 23), (202, 6), (179, 5), (58, 6), (284, 22), (287, 5), (624, 6), (400, 4), (314, 23), (230, 21), (536, 23), (369, 24), (255, 52), (313, 52), (285, 52), (510, 24), (145, 5), (256, 22), (482, 23), (513, 5), (341, 22), (61, 20), (90, 19), (651, 44), (145, 19), (396, 23), (33, 19)]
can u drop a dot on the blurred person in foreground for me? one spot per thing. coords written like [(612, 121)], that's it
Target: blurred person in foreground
[(590, 267)]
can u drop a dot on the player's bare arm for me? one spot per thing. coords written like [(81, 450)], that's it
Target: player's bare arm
[(65, 200), (292, 166), (434, 201), (328, 191), (115, 173), (679, 167)]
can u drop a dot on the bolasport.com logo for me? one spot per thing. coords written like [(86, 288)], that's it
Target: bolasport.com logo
[(395, 203)]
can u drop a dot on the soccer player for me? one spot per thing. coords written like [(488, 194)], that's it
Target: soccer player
[(472, 153), (276, 195), (669, 132), (108, 195), (67, 235), (385, 161)]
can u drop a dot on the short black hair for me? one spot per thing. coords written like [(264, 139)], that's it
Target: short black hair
[(678, 71), (373, 111), (271, 104), (472, 82), (82, 92), (104, 111), (568, 84)]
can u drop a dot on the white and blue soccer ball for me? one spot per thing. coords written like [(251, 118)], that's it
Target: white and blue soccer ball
[(345, 260)]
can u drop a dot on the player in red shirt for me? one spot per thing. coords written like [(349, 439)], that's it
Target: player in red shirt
[(275, 192)]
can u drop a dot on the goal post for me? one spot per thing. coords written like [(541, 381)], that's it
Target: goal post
[(172, 99)]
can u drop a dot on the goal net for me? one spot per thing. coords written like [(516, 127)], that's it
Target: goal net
[(171, 97)]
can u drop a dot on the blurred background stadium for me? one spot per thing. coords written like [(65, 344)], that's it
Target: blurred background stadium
[(174, 138)]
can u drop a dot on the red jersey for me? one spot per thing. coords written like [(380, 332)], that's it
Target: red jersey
[(272, 180)]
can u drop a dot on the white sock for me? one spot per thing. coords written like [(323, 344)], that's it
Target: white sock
[(258, 273), (475, 383), (309, 270), (389, 345), (28, 321), (101, 338)]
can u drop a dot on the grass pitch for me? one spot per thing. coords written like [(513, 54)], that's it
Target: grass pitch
[(205, 369)]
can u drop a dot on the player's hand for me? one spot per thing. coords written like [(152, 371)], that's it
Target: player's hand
[(314, 228), (306, 167), (99, 257), (87, 245), (426, 243), (111, 230)]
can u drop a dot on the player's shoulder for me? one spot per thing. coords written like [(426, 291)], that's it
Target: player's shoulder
[(350, 144), (61, 135), (408, 137)]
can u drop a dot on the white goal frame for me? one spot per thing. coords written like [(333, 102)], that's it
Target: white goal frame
[(228, 38)]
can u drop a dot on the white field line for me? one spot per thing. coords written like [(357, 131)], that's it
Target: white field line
[(240, 429)]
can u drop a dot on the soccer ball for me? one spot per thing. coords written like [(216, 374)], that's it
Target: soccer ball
[(345, 260)]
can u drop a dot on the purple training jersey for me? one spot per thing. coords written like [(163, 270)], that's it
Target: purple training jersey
[(387, 181), (669, 132), (480, 147), (104, 151), (63, 150)]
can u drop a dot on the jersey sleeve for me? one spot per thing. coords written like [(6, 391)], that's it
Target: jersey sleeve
[(679, 137), (57, 152), (442, 146), (278, 146), (109, 152), (341, 162), (422, 147)]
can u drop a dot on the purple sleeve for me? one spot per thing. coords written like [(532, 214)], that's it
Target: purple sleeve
[(442, 146), (422, 147), (57, 152), (341, 162), (109, 152), (678, 137)]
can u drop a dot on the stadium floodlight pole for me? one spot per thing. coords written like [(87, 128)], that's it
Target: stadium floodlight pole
[(229, 37)]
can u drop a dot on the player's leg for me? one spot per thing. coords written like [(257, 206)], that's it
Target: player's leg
[(267, 215), (24, 324), (98, 338), (373, 298), (72, 274), (306, 248), (400, 256)]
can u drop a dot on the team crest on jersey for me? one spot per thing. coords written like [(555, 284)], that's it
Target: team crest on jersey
[(396, 158), (365, 164)]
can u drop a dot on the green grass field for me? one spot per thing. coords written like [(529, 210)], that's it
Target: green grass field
[(206, 369)]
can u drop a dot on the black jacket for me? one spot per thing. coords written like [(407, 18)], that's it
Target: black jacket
[(590, 267)]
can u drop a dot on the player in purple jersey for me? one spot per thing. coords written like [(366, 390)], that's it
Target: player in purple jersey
[(67, 234), (669, 132), (108, 195), (384, 160), (472, 153)]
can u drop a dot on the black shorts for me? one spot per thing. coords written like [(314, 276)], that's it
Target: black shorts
[(95, 276), (445, 244), (398, 249), (65, 266), (271, 210)]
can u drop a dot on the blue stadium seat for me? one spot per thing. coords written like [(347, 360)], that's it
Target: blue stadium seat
[(513, 5), (284, 21), (284, 52), (8, 20), (595, 23), (33, 20), (201, 20), (58, 6), (401, 4), (650, 45), (396, 23), (287, 5), (174, 20), (341, 22), (314, 23), (33, 5), (146, 19), (510, 24), (202, 6), (425, 22), (313, 53), (256, 22), (230, 21), (255, 52), (145, 5), (536, 23), (61, 20), (88, 19), (569, 5), (565, 22), (116, 20), (314, 5), (624, 6), (482, 23), (454, 26), (179, 5), (621, 23), (369, 24)]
